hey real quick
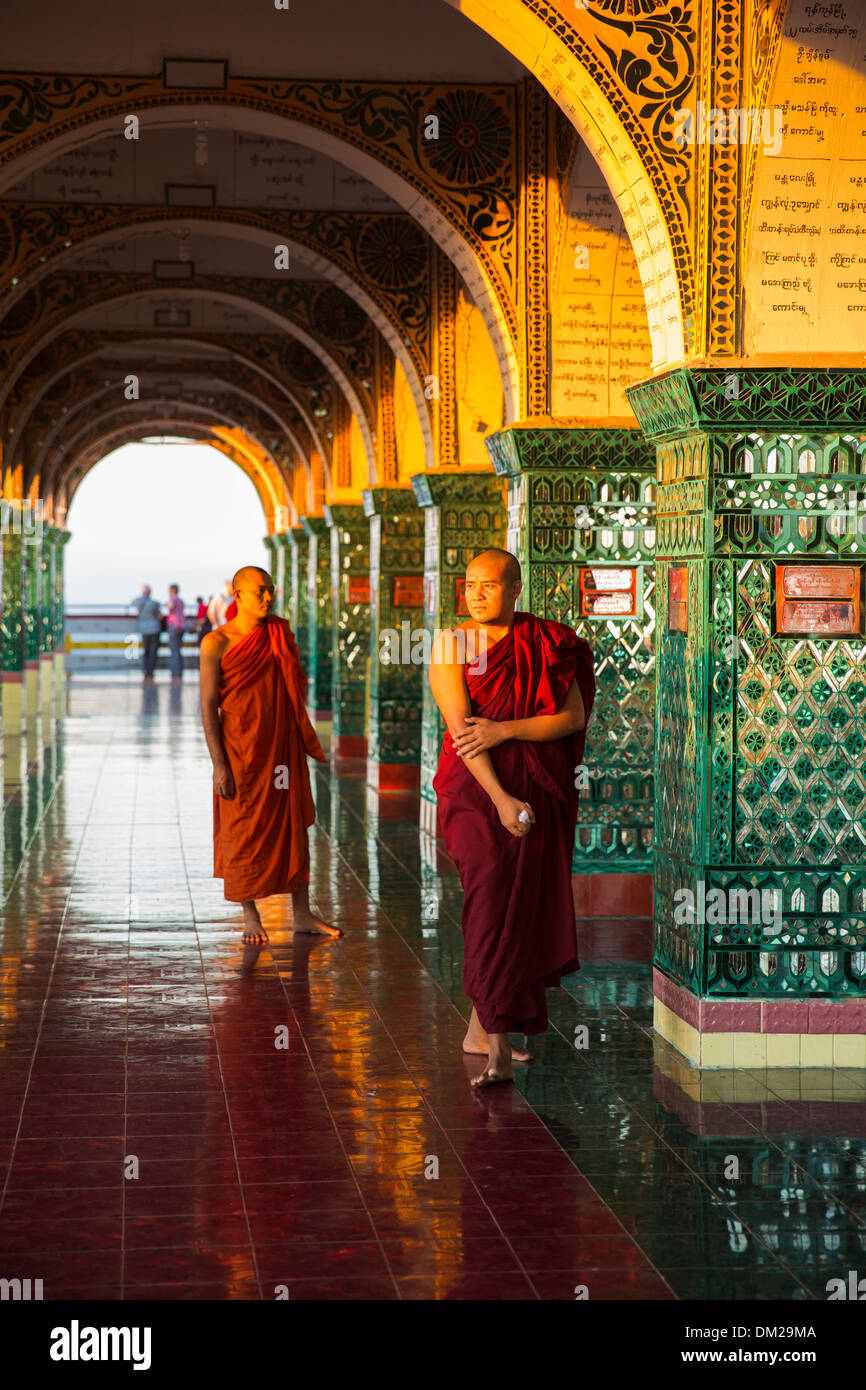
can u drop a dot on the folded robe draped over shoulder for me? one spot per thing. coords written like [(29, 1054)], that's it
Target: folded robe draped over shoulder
[(260, 835), (518, 911)]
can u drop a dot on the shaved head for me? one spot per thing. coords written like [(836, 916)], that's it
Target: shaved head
[(509, 562), (254, 594), (492, 586), (249, 574)]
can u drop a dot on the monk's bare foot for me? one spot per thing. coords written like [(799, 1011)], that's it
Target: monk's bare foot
[(254, 933), (474, 1047), (491, 1076), (310, 922), (499, 1065), (477, 1042)]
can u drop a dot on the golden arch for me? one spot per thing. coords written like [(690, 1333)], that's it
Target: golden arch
[(230, 224), (270, 315), (662, 259), (114, 439), (91, 398), (246, 114), (264, 471), (145, 345)]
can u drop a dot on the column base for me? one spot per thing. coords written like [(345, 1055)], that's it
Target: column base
[(391, 805), (46, 680), (349, 746), (60, 679), (722, 1104), (393, 777), (323, 725), (612, 895), (760, 1032), (31, 688), (13, 702)]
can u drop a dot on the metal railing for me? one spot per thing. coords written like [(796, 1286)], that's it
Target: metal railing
[(106, 638)]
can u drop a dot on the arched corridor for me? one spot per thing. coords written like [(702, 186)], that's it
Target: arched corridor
[(439, 277)]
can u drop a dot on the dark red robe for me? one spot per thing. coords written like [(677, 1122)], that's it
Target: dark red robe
[(518, 911), (260, 835)]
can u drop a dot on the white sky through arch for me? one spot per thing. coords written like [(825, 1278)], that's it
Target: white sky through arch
[(161, 513)]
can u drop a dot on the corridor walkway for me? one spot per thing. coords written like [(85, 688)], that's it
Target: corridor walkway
[(184, 1118)]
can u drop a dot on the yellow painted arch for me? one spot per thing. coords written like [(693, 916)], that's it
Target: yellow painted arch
[(523, 32)]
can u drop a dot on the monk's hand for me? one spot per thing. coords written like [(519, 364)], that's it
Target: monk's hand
[(223, 781), (510, 810), (478, 735)]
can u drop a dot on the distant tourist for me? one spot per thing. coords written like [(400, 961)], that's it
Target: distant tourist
[(219, 605), (202, 621), (149, 628), (176, 629)]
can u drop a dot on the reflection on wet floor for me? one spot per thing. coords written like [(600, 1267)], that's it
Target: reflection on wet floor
[(189, 1119)]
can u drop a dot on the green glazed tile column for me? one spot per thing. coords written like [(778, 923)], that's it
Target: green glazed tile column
[(46, 617), (320, 611), (760, 774), (11, 630), (580, 498), (2, 646), (31, 617), (396, 686), (270, 544), (58, 611), (281, 547), (298, 607), (350, 647), (279, 550), (464, 513)]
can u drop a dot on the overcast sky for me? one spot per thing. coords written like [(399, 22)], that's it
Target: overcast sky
[(161, 514)]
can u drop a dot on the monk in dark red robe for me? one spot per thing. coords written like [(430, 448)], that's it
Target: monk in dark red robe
[(516, 693), (259, 736)]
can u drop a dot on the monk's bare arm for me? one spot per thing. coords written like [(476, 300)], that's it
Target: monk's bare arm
[(212, 648), (448, 683), (481, 734), (542, 727)]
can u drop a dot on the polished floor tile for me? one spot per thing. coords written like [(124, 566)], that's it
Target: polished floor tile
[(155, 1143)]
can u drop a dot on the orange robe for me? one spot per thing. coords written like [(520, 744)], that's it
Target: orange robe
[(260, 835)]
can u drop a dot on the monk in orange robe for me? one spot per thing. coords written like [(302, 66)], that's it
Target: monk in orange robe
[(259, 737), (515, 692)]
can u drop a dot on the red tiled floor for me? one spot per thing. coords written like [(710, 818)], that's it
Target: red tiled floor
[(320, 1260), (457, 1287), (258, 1167), (602, 1285)]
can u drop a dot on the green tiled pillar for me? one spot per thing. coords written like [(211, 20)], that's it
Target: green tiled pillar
[(281, 548), (11, 626), (58, 611), (396, 616), (464, 513), (350, 648), (31, 618), (46, 618), (2, 646), (320, 613), (273, 553), (581, 516), (760, 812), (298, 607)]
